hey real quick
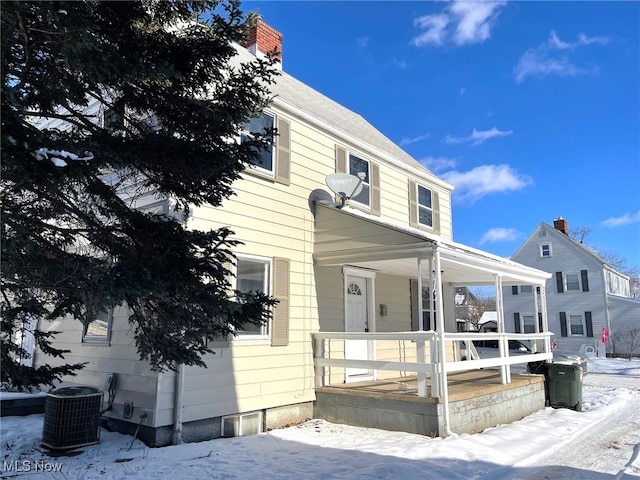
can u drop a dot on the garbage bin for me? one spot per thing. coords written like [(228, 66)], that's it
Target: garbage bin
[(71, 417), (565, 385)]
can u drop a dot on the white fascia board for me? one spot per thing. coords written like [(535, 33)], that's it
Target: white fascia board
[(428, 176)]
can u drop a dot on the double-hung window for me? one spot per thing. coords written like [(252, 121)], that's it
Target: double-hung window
[(576, 325), (262, 125), (99, 330), (253, 274), (572, 281), (545, 250), (356, 167), (425, 207), (528, 323)]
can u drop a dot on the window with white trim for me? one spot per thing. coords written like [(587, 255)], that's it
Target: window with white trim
[(576, 325), (425, 207), (545, 250), (528, 323), (99, 330), (358, 165), (253, 274), (572, 281), (262, 125)]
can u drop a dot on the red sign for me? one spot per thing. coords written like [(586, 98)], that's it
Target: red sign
[(605, 335)]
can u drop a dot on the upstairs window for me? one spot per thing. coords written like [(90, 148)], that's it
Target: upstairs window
[(261, 126), (545, 250), (528, 323), (358, 165), (526, 289), (572, 281), (425, 207)]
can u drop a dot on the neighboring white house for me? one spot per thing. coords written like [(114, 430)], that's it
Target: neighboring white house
[(352, 269), (584, 296)]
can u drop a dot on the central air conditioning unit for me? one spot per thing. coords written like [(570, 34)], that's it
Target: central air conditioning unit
[(71, 418)]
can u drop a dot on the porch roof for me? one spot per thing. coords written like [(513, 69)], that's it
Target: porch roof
[(348, 236)]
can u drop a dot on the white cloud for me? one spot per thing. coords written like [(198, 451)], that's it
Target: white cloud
[(485, 180), (626, 219), (477, 136), (362, 42), (401, 64), (436, 164), (553, 57), (408, 141), (461, 22), (436, 30), (498, 234)]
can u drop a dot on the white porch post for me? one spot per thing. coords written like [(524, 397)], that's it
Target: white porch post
[(545, 318), (420, 344), (505, 370), (442, 351)]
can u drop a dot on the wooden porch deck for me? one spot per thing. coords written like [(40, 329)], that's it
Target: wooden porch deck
[(462, 385)]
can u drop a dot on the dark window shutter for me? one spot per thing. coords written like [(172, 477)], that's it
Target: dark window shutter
[(415, 312), (514, 290), (559, 282), (280, 320), (563, 324), (413, 204), (283, 152), (585, 280), (375, 188), (589, 322), (516, 322), (540, 322), (435, 205)]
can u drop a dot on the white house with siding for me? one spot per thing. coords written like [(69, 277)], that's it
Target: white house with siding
[(353, 269), (584, 295)]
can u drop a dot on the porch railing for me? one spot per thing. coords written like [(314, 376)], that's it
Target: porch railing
[(430, 372)]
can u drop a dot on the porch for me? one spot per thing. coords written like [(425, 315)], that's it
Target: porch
[(406, 387)]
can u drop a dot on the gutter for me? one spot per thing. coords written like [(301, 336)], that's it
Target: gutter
[(178, 404)]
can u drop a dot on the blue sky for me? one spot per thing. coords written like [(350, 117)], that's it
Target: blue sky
[(531, 109)]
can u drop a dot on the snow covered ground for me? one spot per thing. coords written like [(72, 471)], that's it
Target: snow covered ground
[(601, 442)]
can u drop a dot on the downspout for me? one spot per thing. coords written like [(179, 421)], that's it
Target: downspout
[(178, 402), (442, 350)]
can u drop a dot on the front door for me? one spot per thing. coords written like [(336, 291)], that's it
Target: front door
[(356, 320)]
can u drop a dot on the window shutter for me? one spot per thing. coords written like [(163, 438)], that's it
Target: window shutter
[(435, 205), (413, 204), (514, 289), (563, 324), (375, 188), (589, 322), (415, 312), (341, 159), (516, 321), (283, 152), (585, 280), (559, 282), (540, 322), (280, 320)]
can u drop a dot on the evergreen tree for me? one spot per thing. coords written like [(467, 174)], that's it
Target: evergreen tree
[(160, 75)]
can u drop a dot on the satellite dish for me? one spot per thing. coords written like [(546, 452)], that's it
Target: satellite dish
[(345, 186)]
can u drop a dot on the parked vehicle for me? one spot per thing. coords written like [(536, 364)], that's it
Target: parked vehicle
[(489, 349)]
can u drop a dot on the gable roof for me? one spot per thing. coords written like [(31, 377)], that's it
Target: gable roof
[(298, 97), (566, 238)]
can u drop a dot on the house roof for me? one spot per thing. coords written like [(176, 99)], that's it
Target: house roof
[(292, 94), (566, 238)]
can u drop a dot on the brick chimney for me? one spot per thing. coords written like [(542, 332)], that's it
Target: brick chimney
[(263, 39), (562, 225)]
